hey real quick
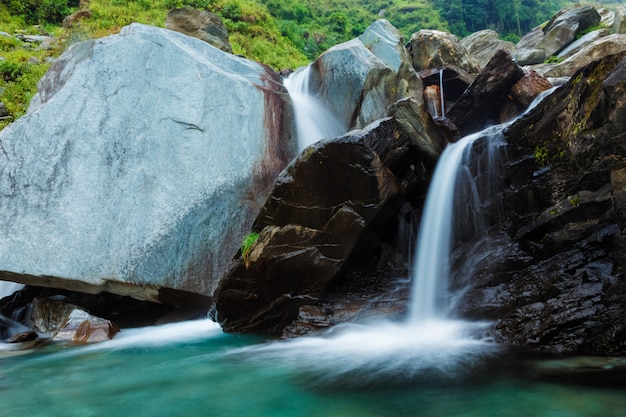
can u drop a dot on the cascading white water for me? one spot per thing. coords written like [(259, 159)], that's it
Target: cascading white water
[(443, 100), (7, 288), (313, 118), (431, 268)]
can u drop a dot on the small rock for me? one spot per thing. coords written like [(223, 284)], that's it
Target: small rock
[(23, 337)]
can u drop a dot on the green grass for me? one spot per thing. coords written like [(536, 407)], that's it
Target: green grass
[(246, 247)]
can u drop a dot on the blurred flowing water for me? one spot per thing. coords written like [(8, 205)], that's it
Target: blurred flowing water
[(193, 369), (314, 120)]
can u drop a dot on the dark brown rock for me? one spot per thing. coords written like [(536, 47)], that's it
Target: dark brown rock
[(334, 203), (529, 87), (481, 102), (522, 95), (23, 337)]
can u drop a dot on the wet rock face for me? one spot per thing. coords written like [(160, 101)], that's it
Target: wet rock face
[(339, 197), (552, 278)]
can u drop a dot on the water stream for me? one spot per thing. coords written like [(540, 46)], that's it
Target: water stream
[(314, 120), (7, 288)]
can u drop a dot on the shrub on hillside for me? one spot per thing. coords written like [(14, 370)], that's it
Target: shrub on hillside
[(41, 11)]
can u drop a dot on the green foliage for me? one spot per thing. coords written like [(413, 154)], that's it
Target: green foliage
[(246, 247), (541, 155), (591, 29), (504, 16), (553, 60), (18, 84), (38, 11)]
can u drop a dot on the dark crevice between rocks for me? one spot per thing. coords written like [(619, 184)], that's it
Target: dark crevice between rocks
[(124, 311)]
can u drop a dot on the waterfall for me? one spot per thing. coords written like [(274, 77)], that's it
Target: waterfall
[(314, 120), (443, 100), (461, 183), (454, 175), (7, 288), (434, 98)]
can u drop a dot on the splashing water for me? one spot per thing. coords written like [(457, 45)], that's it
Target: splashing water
[(314, 119), (432, 260)]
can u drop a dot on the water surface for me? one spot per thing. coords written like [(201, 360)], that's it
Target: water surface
[(193, 369)]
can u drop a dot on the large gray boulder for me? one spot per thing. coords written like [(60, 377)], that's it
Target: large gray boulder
[(140, 166), (484, 44), (560, 31), (583, 42), (619, 21), (436, 49), (360, 79)]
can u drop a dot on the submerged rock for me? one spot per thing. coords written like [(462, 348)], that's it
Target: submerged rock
[(139, 175), (63, 322)]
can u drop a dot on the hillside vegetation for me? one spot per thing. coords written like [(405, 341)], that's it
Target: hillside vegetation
[(279, 33)]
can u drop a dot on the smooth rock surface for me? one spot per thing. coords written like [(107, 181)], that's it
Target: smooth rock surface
[(484, 44), (434, 49), (360, 79), (562, 29), (604, 46), (140, 175)]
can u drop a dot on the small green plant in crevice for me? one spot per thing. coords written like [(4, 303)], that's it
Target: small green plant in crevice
[(246, 247), (574, 201), (553, 60), (592, 29), (541, 155)]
